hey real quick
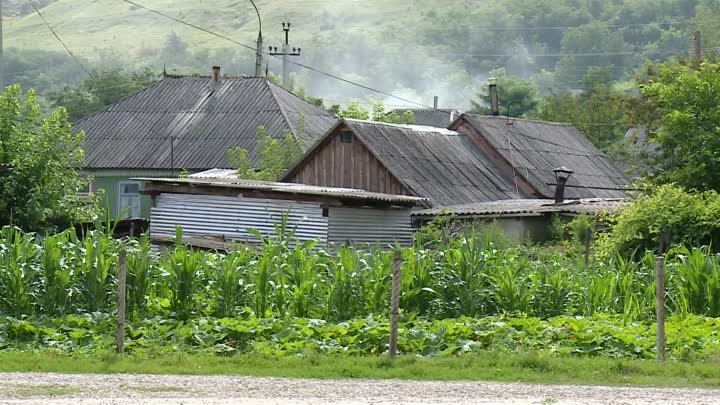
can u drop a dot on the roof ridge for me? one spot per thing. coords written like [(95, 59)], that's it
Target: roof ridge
[(538, 121), (280, 107)]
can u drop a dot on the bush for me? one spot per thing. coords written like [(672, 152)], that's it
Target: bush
[(690, 218)]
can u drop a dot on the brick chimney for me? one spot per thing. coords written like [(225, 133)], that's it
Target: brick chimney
[(216, 74)]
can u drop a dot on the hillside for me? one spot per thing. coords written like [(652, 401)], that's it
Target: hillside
[(415, 48)]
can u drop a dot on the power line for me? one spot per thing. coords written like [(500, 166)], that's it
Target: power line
[(292, 62), (58, 38)]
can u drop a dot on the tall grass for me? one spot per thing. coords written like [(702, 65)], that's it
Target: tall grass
[(475, 273)]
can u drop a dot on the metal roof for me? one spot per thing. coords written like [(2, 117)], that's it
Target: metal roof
[(637, 153), (437, 163), (288, 188), (201, 118), (529, 207), (432, 117), (535, 148)]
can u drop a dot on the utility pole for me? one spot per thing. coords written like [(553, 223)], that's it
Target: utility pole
[(258, 51), (697, 57), (285, 53)]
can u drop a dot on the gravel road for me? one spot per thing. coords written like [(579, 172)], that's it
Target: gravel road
[(124, 389)]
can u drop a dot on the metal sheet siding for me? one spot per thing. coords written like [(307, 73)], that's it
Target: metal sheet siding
[(201, 215), (365, 225)]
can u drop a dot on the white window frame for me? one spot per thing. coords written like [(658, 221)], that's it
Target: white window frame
[(121, 195)]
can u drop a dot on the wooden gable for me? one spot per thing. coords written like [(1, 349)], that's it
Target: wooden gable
[(342, 160)]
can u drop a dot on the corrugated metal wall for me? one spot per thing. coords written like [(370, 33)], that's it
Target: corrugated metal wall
[(204, 215), (368, 225)]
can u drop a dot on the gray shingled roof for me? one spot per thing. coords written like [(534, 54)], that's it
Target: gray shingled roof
[(535, 148), (441, 118), (204, 119), (442, 165), (529, 207), (637, 153)]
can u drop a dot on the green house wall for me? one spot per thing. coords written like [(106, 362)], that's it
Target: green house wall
[(110, 186)]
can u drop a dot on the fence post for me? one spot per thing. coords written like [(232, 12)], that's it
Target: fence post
[(120, 332), (660, 306), (395, 302)]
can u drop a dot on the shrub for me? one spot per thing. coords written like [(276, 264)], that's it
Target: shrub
[(690, 218)]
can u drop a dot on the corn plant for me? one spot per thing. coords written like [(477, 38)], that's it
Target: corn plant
[(228, 273), (18, 267), (58, 290)]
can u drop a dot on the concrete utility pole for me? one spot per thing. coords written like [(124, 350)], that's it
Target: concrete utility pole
[(285, 54)]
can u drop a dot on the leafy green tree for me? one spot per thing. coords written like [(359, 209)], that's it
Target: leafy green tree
[(103, 89), (274, 157), (687, 122), (599, 112), (521, 93), (380, 115), (354, 111), (40, 161)]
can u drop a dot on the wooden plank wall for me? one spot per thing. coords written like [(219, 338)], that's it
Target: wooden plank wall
[(350, 165)]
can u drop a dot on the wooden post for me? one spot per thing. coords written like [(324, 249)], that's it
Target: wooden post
[(660, 307), (120, 332), (395, 303), (697, 54), (588, 236)]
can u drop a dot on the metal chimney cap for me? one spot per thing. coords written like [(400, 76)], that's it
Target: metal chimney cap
[(562, 170)]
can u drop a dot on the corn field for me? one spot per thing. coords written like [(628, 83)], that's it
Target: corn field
[(468, 275)]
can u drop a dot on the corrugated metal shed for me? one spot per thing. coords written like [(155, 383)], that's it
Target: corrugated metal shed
[(367, 225), (529, 207), (535, 148), (291, 189), (431, 117), (440, 164), (230, 218), (201, 119)]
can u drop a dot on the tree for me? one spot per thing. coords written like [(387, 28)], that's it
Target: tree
[(521, 93), (103, 89), (599, 112), (380, 115), (175, 47), (355, 111), (40, 161), (687, 124), (274, 157)]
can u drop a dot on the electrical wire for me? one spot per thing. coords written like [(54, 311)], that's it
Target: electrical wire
[(266, 53), (58, 38)]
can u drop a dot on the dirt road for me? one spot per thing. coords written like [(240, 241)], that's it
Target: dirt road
[(67, 389)]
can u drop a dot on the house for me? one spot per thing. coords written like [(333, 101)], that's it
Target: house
[(528, 151), (522, 219), (187, 123), (479, 159), (215, 208), (638, 153), (442, 165), (430, 117)]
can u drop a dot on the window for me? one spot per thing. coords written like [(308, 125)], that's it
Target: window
[(325, 212), (129, 199), (346, 137)]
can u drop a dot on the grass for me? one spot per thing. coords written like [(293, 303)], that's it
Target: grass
[(29, 391), (528, 367)]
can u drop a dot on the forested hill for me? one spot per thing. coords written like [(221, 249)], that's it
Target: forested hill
[(412, 48)]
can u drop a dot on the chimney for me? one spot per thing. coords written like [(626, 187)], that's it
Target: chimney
[(494, 102), (435, 102), (216, 74), (562, 174)]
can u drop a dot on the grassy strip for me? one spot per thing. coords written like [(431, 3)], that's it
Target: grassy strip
[(529, 367)]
